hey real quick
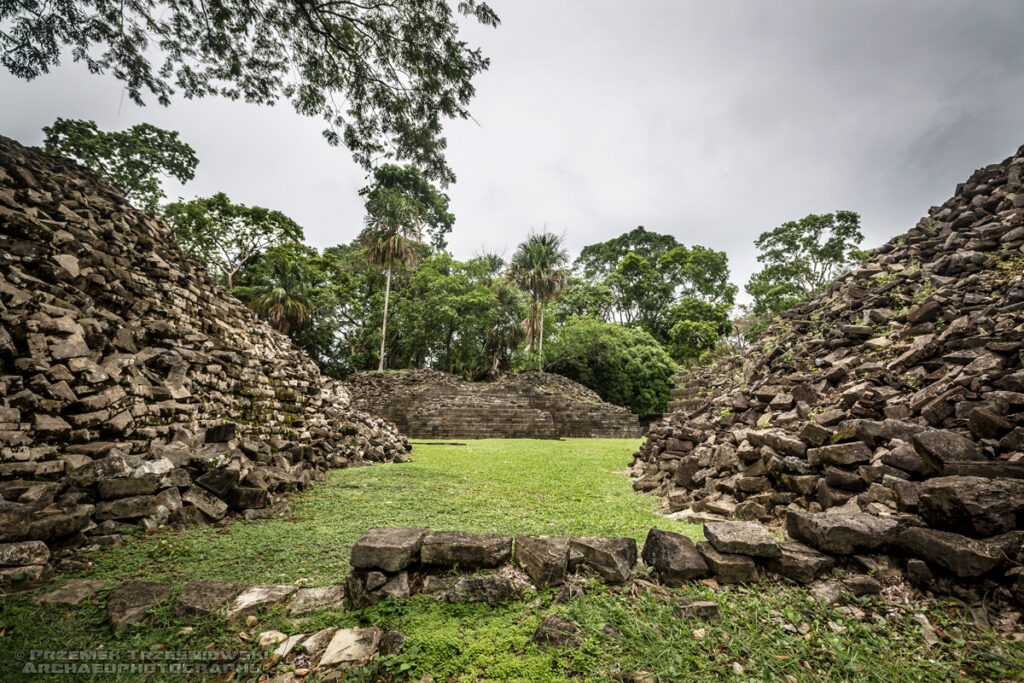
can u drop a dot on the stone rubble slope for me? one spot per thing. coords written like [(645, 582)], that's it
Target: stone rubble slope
[(428, 404), (133, 388), (885, 416)]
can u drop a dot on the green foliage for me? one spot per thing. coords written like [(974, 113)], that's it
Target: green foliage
[(538, 267), (801, 258), (132, 160), (228, 236), (383, 75), (697, 326), (409, 189), (624, 366), (597, 261)]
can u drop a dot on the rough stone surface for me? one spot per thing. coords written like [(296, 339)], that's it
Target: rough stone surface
[(204, 597), (976, 505), (557, 631), (728, 567), (465, 550), (493, 589), (129, 602), (799, 562), (351, 646), (611, 558), (543, 558), (307, 600), (744, 538), (73, 593), (703, 610), (841, 533), (673, 557), (965, 557), (23, 553), (387, 549), (250, 601)]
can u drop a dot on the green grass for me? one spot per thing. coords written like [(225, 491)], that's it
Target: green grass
[(570, 487)]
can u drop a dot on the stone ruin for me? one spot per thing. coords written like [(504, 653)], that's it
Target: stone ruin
[(883, 421), (134, 390), (427, 404)]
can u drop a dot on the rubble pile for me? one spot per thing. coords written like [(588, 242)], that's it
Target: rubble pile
[(883, 419), (134, 390)]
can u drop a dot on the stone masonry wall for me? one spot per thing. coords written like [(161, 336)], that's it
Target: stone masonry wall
[(435, 405), (127, 374)]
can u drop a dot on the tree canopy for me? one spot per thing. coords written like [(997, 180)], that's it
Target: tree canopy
[(227, 236), (132, 160), (407, 190), (801, 258), (383, 74)]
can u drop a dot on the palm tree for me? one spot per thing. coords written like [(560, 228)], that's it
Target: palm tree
[(392, 224), (283, 297), (538, 266)]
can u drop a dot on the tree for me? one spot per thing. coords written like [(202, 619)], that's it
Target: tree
[(624, 366), (696, 327), (281, 288), (597, 261), (132, 160), (383, 74), (225, 235), (538, 267), (801, 258), (429, 205), (392, 223)]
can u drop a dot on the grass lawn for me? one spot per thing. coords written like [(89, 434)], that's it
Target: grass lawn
[(574, 487)]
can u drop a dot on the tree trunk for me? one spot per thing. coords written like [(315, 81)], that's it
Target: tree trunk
[(540, 343), (384, 323)]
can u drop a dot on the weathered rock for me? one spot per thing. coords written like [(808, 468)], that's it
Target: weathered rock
[(744, 538), (73, 593), (557, 631), (980, 506), (390, 550), (673, 557), (728, 568), (843, 454), (250, 601), (351, 646), (309, 600), (702, 610), (127, 508), (365, 587), (129, 602), (799, 562), (204, 597), (23, 553), (963, 556), (465, 550), (862, 584), (940, 448), (611, 558), (493, 589), (543, 558), (211, 506), (841, 533)]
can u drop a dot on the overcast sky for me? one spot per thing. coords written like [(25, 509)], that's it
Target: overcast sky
[(712, 121)]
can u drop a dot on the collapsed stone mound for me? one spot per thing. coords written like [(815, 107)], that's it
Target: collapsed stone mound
[(427, 404), (135, 389), (887, 414)]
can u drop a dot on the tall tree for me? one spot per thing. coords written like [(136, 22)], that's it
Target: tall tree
[(227, 236), (538, 266), (132, 160), (597, 261), (281, 288), (801, 258), (392, 224), (430, 205), (383, 74)]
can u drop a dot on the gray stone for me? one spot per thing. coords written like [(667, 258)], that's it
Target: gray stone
[(127, 508), (557, 631), (125, 488), (673, 558), (309, 600), (702, 610), (983, 507), (129, 602), (464, 550), (204, 597), (73, 593), (23, 553), (611, 558), (493, 589), (842, 454), (799, 562), (250, 601), (744, 538), (390, 550), (942, 447), (351, 646), (728, 568), (964, 557), (543, 558), (205, 501), (841, 533)]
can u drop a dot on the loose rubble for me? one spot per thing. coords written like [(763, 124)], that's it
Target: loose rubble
[(134, 390), (881, 423)]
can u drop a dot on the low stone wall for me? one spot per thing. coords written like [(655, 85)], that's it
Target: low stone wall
[(427, 404)]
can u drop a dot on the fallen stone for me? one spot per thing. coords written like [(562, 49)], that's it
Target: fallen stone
[(673, 557), (250, 601), (743, 538), (941, 447), (611, 558), (862, 584), (842, 454), (204, 597), (543, 558), (841, 533), (129, 602), (127, 508), (205, 501), (309, 600), (728, 568), (964, 557), (557, 631), (983, 507), (390, 550), (492, 589), (23, 553), (73, 593), (703, 610), (351, 646), (464, 550), (799, 562)]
